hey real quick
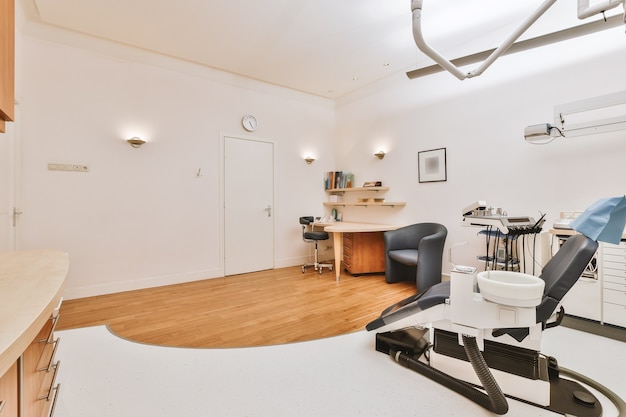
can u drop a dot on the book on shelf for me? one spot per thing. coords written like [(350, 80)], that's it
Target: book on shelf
[(338, 179)]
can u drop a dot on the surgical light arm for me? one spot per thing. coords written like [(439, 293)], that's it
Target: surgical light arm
[(416, 6), (584, 11)]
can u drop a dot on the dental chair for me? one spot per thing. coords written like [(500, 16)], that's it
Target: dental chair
[(484, 330)]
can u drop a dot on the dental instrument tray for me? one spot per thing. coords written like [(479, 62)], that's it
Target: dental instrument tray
[(506, 224)]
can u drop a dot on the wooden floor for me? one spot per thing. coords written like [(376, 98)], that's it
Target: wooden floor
[(257, 309)]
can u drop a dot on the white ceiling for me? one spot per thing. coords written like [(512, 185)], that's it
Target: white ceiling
[(323, 47)]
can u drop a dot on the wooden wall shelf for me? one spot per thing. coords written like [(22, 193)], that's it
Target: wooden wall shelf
[(337, 191), (342, 191), (368, 204)]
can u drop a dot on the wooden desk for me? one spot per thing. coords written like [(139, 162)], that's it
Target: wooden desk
[(339, 228)]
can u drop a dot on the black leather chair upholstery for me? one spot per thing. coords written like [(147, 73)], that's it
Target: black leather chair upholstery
[(414, 253), (560, 274)]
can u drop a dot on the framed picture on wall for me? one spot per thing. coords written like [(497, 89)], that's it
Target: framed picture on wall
[(431, 165)]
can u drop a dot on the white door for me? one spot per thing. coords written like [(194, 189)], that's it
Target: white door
[(248, 205), (9, 213)]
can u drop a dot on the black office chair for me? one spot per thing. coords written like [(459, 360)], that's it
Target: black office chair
[(313, 237)]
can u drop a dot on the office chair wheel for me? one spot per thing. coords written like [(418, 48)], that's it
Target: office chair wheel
[(303, 269), (321, 270)]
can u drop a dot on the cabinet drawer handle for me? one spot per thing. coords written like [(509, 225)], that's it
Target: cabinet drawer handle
[(54, 402), (50, 336), (54, 352), (54, 378)]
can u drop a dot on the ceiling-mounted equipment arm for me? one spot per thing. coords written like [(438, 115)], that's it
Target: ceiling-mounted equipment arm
[(416, 7), (585, 11)]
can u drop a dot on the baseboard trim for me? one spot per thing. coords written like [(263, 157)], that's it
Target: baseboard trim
[(594, 327), (114, 287)]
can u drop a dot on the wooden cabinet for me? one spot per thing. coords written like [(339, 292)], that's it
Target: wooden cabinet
[(9, 400), (364, 252), (30, 294), (7, 62), (40, 370), (28, 387)]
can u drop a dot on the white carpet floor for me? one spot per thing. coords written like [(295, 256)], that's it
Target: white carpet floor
[(102, 375)]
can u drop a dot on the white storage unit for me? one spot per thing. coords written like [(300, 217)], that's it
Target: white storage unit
[(613, 272), (584, 299)]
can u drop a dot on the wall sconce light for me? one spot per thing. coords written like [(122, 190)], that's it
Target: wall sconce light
[(309, 160), (136, 142), (380, 154)]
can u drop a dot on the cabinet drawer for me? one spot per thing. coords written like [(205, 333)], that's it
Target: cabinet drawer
[(618, 259), (614, 314), (48, 354), (615, 296), (584, 299), (614, 252), (616, 267), (39, 372), (347, 244), (614, 249), (613, 275), (9, 400), (614, 278), (615, 286), (347, 262)]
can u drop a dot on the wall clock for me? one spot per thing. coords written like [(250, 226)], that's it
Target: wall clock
[(249, 123)]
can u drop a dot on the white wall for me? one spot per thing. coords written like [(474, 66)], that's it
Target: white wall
[(480, 122), (141, 217)]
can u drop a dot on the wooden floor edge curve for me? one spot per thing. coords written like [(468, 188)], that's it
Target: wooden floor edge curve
[(257, 309)]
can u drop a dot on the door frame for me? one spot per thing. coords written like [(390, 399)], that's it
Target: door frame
[(222, 196), (12, 193)]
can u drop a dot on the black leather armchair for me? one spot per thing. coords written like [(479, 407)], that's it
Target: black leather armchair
[(414, 253)]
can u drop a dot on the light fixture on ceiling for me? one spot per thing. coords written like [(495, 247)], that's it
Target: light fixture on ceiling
[(309, 160), (380, 154), (136, 142)]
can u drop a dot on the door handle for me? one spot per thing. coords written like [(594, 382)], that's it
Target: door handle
[(269, 210), (16, 213)]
